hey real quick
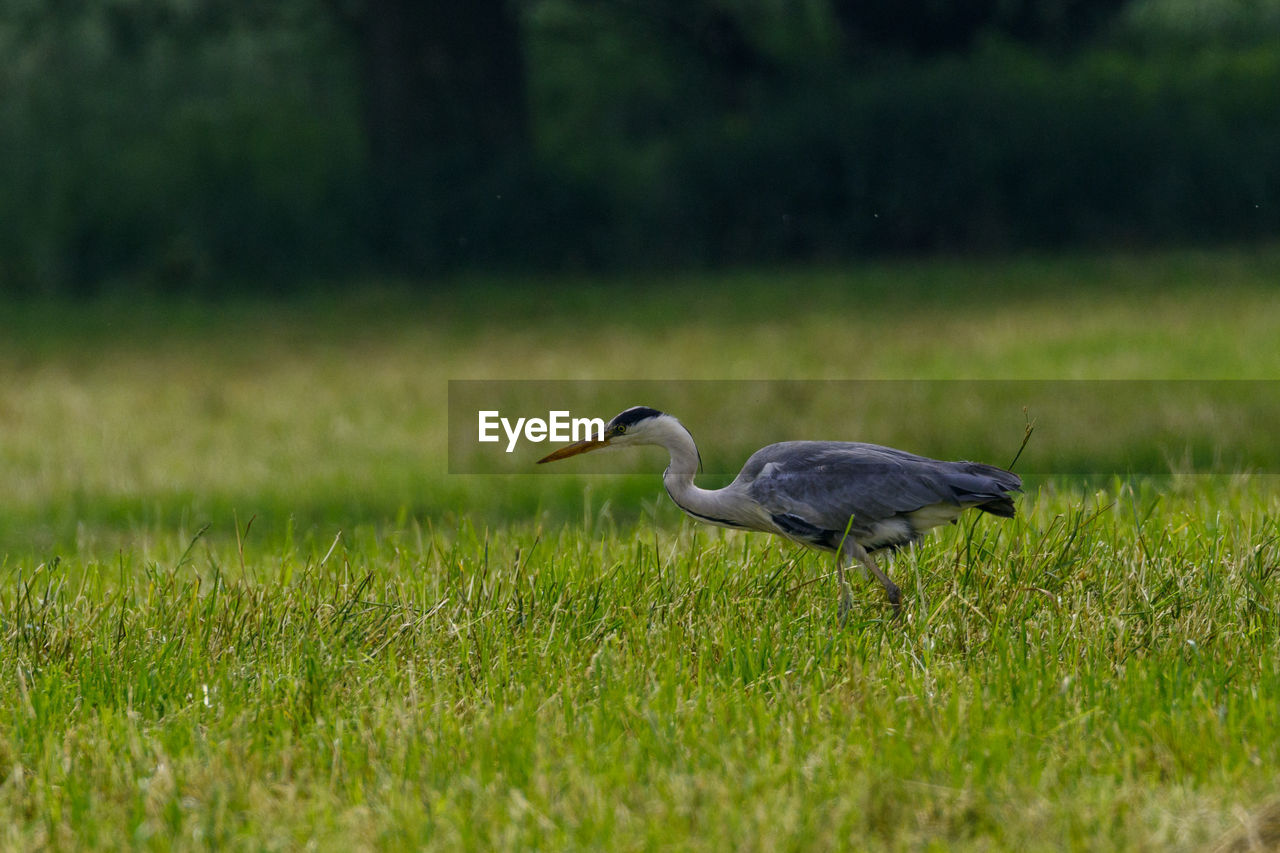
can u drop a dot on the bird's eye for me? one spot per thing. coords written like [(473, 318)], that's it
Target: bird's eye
[(619, 429)]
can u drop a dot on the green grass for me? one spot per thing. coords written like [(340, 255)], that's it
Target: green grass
[(362, 651)]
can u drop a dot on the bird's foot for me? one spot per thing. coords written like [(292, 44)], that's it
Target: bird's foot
[(895, 601)]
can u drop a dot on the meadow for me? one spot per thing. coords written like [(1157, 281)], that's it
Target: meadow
[(245, 605)]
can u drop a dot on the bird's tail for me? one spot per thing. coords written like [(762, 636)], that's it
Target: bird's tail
[(987, 488)]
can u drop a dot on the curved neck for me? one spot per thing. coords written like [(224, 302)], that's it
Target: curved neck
[(717, 506)]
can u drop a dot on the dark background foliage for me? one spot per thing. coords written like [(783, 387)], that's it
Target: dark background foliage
[(200, 145)]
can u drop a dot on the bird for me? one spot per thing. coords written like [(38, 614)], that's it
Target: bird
[(850, 499)]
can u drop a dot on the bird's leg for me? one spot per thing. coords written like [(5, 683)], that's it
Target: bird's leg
[(846, 594), (853, 549)]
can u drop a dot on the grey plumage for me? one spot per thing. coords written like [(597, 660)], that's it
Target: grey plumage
[(829, 484), (847, 498)]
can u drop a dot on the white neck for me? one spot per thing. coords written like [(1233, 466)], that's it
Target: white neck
[(717, 506)]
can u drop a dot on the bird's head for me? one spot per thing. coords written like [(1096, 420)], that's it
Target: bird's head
[(637, 425)]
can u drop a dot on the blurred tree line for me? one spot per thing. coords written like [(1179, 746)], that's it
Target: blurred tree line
[(192, 144)]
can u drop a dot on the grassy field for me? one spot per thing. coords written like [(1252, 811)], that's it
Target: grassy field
[(244, 605)]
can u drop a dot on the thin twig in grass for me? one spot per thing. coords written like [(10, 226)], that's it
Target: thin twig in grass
[(1026, 437), (329, 553)]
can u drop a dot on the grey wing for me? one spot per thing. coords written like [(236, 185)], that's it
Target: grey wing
[(825, 485)]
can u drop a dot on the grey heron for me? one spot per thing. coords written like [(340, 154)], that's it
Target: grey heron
[(846, 498)]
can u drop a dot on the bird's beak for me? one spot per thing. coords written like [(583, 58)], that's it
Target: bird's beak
[(574, 449)]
